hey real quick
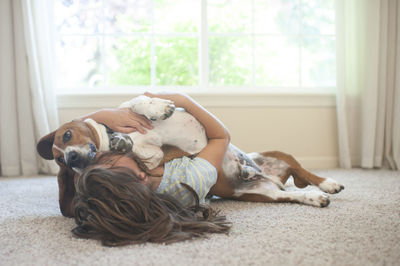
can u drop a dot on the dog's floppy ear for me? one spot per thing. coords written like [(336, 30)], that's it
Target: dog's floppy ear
[(66, 191), (44, 146)]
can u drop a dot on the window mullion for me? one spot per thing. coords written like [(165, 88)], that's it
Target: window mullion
[(203, 51), (300, 41), (253, 43), (106, 79), (153, 48)]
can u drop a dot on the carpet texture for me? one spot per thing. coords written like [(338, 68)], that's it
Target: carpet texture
[(361, 226)]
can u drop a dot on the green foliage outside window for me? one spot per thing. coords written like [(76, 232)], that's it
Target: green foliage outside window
[(113, 43)]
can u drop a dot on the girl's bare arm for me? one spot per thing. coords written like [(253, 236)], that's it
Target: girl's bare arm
[(120, 120)]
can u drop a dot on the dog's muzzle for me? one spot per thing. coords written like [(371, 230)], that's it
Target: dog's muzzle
[(78, 161)]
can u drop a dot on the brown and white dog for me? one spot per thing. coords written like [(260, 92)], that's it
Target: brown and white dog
[(252, 177)]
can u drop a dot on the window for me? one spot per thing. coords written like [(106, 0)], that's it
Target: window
[(260, 45)]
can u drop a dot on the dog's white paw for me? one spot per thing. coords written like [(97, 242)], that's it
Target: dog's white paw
[(330, 186), (154, 109), (120, 142), (316, 198)]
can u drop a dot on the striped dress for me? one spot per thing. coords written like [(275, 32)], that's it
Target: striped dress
[(197, 173)]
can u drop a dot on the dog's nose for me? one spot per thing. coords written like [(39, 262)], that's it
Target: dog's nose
[(76, 160), (72, 158)]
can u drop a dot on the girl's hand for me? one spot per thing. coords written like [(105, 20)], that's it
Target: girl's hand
[(123, 120)]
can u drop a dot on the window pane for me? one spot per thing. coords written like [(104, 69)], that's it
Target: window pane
[(72, 17), (318, 17), (276, 16), (230, 61), (277, 61), (319, 61), (176, 16), (128, 16), (79, 62), (177, 61), (250, 42), (229, 16), (128, 61)]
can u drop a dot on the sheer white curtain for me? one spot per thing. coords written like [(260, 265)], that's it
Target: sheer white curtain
[(368, 100), (27, 102)]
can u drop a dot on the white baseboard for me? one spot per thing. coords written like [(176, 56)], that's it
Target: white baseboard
[(99, 100)]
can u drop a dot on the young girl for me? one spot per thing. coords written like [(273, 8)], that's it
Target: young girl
[(108, 210), (118, 202)]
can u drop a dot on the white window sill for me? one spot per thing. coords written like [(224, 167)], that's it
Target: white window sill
[(248, 98)]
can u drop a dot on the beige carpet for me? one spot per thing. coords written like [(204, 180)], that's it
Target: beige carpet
[(360, 227)]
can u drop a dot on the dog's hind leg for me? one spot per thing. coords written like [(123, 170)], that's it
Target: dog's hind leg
[(285, 165), (275, 164), (155, 109), (327, 185), (268, 192)]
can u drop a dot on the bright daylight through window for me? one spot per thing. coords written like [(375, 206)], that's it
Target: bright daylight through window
[(259, 44)]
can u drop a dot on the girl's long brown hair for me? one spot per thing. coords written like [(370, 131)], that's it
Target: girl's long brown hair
[(113, 206)]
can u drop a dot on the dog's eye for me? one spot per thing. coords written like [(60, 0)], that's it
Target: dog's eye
[(60, 159), (67, 136)]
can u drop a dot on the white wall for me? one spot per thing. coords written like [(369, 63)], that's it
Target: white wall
[(306, 128)]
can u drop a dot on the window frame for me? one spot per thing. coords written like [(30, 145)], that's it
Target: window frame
[(204, 88)]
